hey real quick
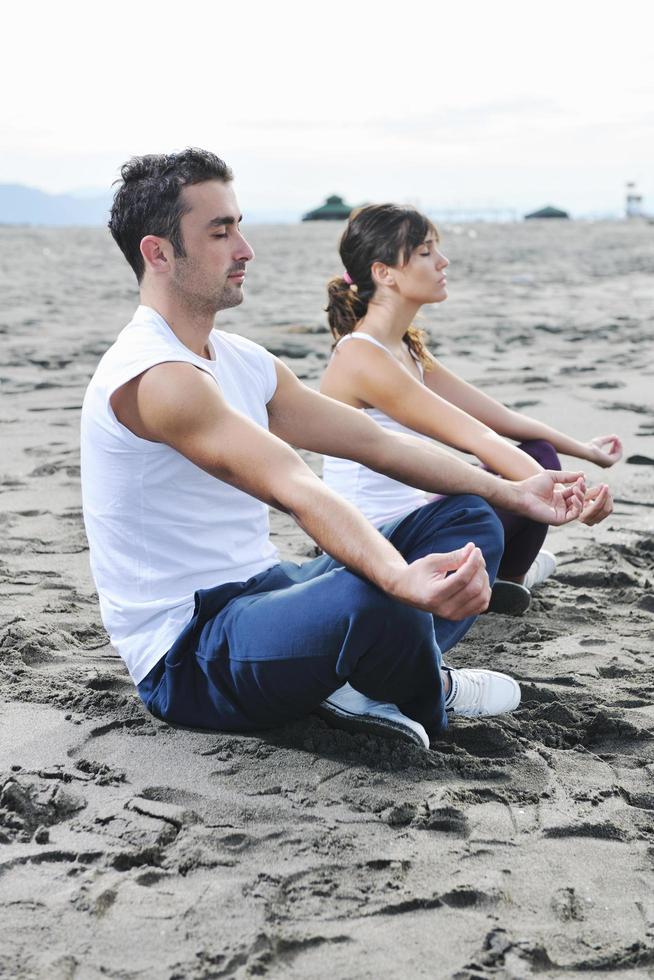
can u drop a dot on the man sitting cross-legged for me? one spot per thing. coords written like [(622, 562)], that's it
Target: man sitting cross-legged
[(186, 438)]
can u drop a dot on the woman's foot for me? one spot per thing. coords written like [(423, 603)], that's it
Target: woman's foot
[(543, 566), (513, 598)]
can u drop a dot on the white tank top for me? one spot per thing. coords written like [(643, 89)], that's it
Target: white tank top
[(159, 528), (378, 497)]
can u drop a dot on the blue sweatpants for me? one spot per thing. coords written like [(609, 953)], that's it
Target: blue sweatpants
[(260, 653)]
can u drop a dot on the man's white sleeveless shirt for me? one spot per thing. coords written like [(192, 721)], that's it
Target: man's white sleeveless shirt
[(159, 527)]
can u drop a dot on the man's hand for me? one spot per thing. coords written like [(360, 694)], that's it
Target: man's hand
[(598, 504), (605, 450), (452, 585), (552, 497)]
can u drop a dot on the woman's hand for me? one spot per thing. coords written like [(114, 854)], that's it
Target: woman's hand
[(605, 450)]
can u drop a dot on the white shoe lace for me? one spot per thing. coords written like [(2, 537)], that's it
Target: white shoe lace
[(468, 692), (481, 692)]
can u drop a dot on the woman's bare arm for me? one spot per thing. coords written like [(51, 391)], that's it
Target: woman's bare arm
[(362, 373), (602, 450)]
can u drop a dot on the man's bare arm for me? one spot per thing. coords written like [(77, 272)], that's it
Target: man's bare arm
[(312, 421), (180, 406)]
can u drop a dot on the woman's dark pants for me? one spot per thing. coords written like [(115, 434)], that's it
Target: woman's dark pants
[(523, 538)]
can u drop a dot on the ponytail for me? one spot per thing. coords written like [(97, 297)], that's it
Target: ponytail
[(345, 307)]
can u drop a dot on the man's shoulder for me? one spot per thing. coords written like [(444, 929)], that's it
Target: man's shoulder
[(237, 341), (143, 343), (146, 327), (245, 360)]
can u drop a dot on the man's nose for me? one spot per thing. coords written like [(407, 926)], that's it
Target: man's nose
[(244, 251)]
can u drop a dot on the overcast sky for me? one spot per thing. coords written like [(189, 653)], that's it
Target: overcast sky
[(469, 103)]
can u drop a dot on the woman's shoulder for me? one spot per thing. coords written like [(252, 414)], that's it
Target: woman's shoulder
[(366, 337), (357, 353), (351, 370), (366, 373)]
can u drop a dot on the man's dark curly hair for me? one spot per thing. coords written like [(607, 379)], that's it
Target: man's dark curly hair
[(149, 201)]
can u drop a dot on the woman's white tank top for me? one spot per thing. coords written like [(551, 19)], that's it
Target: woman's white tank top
[(378, 497)]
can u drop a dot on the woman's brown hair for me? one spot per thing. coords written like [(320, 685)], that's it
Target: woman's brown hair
[(384, 233)]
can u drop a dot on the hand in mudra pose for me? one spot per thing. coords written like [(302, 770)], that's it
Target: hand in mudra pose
[(605, 450), (553, 496)]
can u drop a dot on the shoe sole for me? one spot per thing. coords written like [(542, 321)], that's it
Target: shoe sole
[(366, 724), (509, 598)]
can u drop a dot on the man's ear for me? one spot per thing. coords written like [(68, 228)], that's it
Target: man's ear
[(155, 254), (382, 274)]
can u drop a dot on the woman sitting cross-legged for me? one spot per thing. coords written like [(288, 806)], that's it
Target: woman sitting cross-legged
[(380, 364)]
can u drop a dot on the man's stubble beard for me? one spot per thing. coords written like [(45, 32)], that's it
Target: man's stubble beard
[(198, 298)]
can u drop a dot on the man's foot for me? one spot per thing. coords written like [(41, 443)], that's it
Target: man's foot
[(543, 566), (481, 692), (509, 598), (348, 709)]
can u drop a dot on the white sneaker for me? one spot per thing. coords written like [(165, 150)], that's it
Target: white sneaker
[(544, 565), (348, 709), (481, 692)]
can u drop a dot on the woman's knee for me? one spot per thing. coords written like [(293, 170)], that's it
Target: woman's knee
[(543, 452)]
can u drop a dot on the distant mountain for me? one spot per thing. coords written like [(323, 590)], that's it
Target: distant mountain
[(20, 205)]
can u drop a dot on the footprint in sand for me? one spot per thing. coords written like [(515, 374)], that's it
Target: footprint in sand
[(445, 820), (567, 905), (28, 804)]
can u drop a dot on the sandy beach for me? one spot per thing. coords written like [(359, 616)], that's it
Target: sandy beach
[(515, 847)]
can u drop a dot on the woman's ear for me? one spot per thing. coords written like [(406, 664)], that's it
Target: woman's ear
[(382, 274)]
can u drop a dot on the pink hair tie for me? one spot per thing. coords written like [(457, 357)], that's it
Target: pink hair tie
[(347, 278)]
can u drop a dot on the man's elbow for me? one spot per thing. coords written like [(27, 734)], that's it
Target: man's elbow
[(294, 492), (379, 449)]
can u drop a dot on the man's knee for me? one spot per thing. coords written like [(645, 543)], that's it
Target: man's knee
[(484, 525), (376, 612), (490, 539), (543, 452), (378, 630), (467, 517)]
